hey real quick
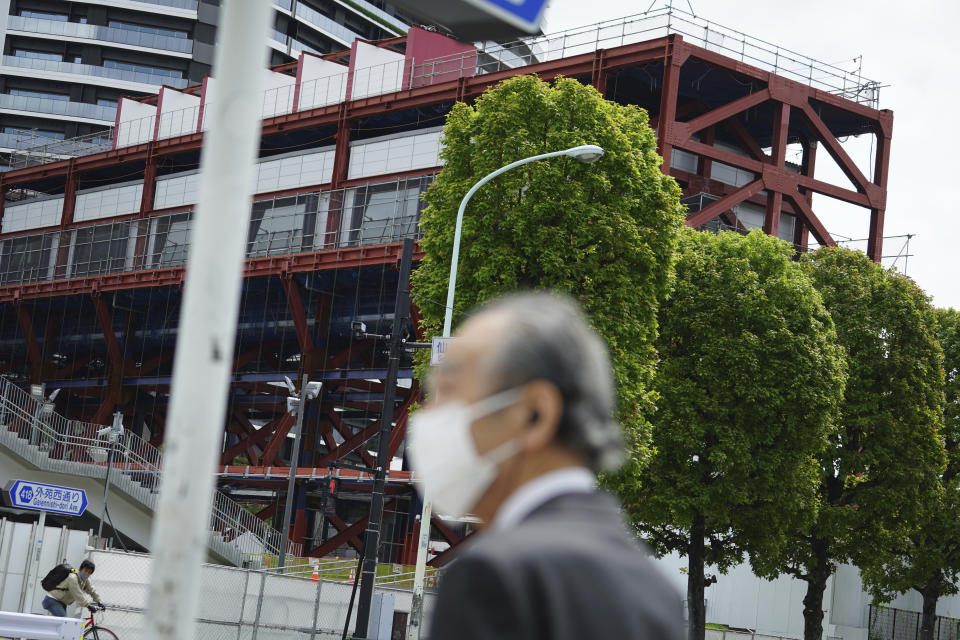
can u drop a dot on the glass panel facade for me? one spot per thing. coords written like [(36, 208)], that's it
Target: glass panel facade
[(26, 259), (383, 213), (285, 225), (169, 240), (100, 249)]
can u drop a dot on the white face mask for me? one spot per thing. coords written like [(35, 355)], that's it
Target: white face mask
[(444, 456)]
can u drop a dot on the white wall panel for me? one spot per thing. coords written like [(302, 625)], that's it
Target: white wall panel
[(176, 191), (105, 203), (392, 154), (178, 113), (135, 123), (683, 160), (32, 215), (278, 94), (375, 71), (274, 174), (322, 82)]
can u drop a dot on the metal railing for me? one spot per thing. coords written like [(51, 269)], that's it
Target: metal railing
[(98, 32), (888, 623), (379, 213), (330, 27), (655, 23), (58, 107), (32, 429), (76, 68), (34, 150)]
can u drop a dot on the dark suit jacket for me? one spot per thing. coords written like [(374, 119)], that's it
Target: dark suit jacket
[(569, 571)]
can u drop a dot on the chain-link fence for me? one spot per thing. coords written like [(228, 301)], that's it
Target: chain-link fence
[(888, 623), (308, 602)]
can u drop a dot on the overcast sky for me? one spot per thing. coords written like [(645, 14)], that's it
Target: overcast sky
[(913, 47)]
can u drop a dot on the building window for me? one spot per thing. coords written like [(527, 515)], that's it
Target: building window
[(140, 68), (157, 31), (100, 249), (43, 15), (104, 102), (39, 94), (37, 55), (25, 259), (19, 131)]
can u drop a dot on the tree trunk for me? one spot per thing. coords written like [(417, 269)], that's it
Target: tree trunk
[(817, 576), (930, 593), (696, 609)]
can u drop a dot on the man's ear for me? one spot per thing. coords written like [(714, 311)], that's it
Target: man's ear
[(545, 404)]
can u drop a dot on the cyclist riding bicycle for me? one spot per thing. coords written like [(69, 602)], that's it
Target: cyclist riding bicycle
[(72, 589)]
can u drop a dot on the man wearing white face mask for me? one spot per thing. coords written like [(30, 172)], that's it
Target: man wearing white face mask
[(519, 422)]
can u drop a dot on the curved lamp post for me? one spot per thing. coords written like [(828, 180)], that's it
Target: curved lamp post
[(586, 153)]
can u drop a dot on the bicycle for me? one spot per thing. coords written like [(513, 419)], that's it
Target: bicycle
[(92, 630)]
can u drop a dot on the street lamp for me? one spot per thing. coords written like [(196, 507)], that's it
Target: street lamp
[(585, 153)]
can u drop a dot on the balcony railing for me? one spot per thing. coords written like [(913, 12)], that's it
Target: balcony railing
[(95, 71), (65, 108), (97, 32), (374, 214), (656, 23), (325, 24)]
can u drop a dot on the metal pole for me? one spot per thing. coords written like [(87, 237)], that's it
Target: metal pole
[(316, 605), (353, 594), (256, 621), (33, 566), (452, 284), (208, 320), (416, 604), (114, 434), (371, 542), (292, 479)]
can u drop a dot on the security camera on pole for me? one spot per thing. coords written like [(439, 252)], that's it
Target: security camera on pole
[(296, 406), (588, 154)]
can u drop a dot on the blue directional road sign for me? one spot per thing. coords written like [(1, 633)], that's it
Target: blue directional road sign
[(46, 497), (523, 14)]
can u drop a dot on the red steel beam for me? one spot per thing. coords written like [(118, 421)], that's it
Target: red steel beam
[(726, 203), (810, 219), (279, 437), (33, 348), (718, 115)]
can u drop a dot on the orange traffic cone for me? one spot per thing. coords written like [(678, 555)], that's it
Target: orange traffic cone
[(353, 576), (316, 574)]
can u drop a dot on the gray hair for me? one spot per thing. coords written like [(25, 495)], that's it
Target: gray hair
[(549, 338)]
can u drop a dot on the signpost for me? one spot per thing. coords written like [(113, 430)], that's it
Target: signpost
[(439, 349), (473, 20), (42, 497)]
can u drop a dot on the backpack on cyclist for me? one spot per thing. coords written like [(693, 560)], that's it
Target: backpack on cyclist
[(55, 576)]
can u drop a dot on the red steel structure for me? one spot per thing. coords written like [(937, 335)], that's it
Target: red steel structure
[(106, 334)]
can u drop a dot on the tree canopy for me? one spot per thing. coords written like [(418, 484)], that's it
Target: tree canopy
[(750, 379), (882, 468), (604, 233)]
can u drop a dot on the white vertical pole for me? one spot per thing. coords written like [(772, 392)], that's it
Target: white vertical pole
[(205, 343)]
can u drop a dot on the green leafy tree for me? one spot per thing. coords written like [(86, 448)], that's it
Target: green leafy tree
[(930, 561), (604, 233), (882, 468), (750, 378)]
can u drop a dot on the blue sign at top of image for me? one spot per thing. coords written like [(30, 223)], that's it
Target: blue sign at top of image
[(47, 497), (522, 13)]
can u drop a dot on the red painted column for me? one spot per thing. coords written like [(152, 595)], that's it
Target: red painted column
[(341, 159), (778, 158), (69, 194), (668, 102), (881, 172)]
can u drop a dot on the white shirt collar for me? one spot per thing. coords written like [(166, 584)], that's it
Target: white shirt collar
[(537, 492)]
